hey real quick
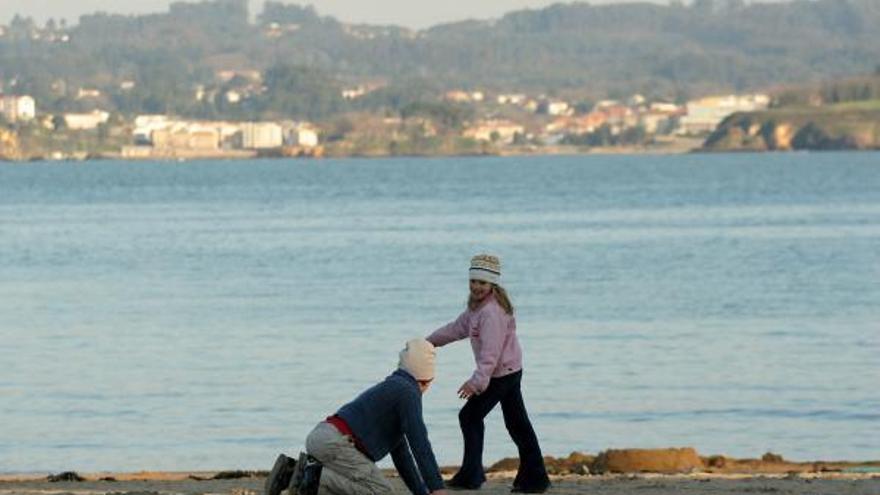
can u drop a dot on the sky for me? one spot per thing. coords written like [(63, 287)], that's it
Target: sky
[(410, 13)]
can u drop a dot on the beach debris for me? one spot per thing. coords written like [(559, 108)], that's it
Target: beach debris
[(650, 462), (65, 476), (667, 461), (581, 469), (230, 475), (575, 463), (238, 474), (451, 470), (506, 464), (771, 463)]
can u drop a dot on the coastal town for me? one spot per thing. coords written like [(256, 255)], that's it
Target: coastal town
[(502, 123), (209, 80)]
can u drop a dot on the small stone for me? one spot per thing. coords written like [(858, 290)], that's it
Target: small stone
[(771, 457), (65, 476)]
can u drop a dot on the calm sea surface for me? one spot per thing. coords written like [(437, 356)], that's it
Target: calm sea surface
[(205, 315)]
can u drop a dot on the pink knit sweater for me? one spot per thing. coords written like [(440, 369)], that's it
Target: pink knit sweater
[(493, 339)]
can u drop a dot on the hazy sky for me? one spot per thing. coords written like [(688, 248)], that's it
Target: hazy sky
[(411, 13)]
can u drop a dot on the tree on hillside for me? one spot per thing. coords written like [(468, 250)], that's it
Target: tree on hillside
[(577, 48), (300, 92), (284, 14), (446, 114)]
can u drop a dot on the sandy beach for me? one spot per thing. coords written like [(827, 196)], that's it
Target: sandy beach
[(612, 472), (499, 483)]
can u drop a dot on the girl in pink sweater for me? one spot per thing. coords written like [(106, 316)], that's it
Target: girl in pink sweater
[(491, 327)]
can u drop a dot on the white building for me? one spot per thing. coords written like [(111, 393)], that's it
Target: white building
[(144, 125), (705, 114), (360, 90), (230, 74), (300, 134), (233, 96), (636, 100), (503, 131), (18, 108), (664, 107), (603, 104), (457, 96), (655, 122), (511, 99), (161, 130), (261, 135), (230, 134), (354, 93), (85, 121), (88, 93), (558, 107)]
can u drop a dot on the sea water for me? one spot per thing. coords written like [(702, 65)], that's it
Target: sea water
[(205, 315)]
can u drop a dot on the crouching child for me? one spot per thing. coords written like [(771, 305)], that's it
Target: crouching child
[(342, 451)]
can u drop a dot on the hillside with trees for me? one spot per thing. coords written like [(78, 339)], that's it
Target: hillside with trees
[(305, 59)]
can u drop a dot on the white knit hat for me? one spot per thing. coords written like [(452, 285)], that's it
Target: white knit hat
[(485, 267), (417, 358)]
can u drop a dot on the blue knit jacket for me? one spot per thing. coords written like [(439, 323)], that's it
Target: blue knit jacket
[(387, 418)]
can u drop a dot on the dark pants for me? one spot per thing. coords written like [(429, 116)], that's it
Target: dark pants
[(506, 390)]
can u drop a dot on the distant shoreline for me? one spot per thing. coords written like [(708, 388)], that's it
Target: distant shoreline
[(544, 151), (680, 149)]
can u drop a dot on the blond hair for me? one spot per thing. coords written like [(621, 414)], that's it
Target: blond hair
[(500, 296)]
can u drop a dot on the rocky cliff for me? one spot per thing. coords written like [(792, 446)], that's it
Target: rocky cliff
[(9, 149), (838, 127)]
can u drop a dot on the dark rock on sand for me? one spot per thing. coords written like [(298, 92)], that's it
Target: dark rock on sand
[(65, 476), (234, 475), (771, 457)]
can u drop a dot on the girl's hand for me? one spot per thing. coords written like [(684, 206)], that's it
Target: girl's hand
[(466, 391)]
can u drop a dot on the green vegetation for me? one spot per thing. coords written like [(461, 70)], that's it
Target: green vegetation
[(855, 105), (578, 51), (369, 135), (604, 136), (857, 89), (105, 139)]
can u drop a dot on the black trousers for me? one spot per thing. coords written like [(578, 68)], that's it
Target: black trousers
[(506, 390)]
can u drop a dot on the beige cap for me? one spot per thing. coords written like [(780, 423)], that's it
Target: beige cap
[(485, 267), (417, 358)]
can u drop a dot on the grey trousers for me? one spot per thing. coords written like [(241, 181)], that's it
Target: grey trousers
[(347, 471)]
